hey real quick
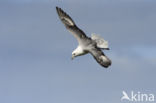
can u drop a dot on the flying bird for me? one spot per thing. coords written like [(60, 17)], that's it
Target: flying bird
[(93, 45)]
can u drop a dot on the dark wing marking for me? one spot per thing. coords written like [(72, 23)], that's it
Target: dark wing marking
[(99, 56), (70, 25)]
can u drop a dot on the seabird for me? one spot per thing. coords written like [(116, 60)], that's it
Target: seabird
[(93, 45)]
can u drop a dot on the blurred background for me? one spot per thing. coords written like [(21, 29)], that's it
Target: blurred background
[(35, 51)]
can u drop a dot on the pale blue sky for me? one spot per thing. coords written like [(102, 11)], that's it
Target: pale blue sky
[(35, 55)]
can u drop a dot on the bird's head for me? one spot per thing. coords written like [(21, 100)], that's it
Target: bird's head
[(77, 52), (74, 54)]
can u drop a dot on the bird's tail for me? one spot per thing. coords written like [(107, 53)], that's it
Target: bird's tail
[(100, 42)]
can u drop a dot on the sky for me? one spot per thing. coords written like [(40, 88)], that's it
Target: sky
[(35, 54)]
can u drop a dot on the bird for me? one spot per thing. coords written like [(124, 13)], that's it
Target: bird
[(93, 45)]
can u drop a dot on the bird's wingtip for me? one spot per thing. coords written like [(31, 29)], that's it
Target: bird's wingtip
[(57, 9)]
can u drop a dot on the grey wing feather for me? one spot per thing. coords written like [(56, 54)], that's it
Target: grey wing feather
[(70, 25), (99, 56)]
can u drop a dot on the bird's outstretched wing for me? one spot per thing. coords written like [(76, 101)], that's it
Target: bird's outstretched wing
[(70, 25), (99, 56)]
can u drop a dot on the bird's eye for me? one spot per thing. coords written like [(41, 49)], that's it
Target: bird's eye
[(74, 54)]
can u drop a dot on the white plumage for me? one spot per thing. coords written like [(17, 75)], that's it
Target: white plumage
[(100, 42), (86, 45)]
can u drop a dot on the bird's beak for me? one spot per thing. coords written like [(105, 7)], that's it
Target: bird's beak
[(72, 57)]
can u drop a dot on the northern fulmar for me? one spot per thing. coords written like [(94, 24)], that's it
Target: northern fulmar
[(93, 45)]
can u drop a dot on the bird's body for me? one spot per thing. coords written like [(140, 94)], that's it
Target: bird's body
[(85, 44)]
